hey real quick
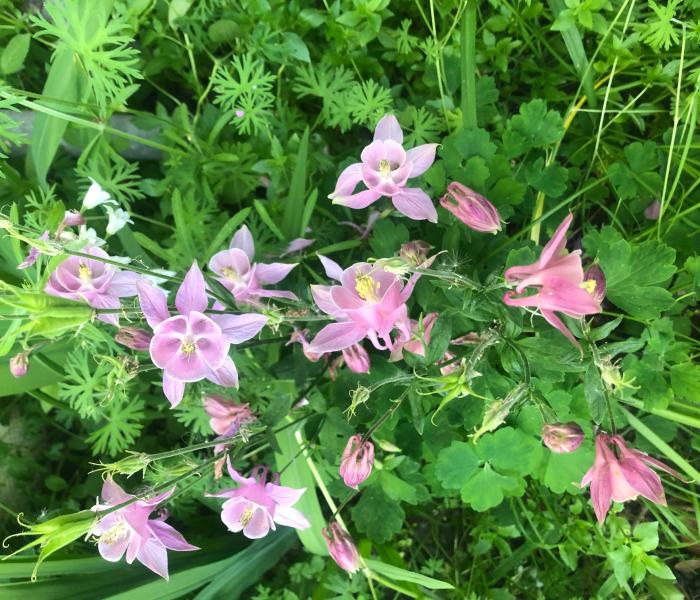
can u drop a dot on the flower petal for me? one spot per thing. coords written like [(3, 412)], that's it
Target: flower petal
[(154, 556), (170, 537), (173, 390), (337, 336), (154, 303), (192, 294), (360, 200), (388, 128), (333, 269), (226, 375), (273, 272), (415, 204), (421, 158), (291, 517), (243, 240), (239, 328), (347, 181)]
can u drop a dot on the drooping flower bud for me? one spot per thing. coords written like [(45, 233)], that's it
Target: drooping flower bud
[(341, 547), (471, 208), (357, 461), (356, 358), (415, 252), (19, 364), (73, 218), (595, 275), (562, 438), (652, 211), (134, 338)]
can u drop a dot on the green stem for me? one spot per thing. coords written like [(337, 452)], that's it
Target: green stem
[(468, 55)]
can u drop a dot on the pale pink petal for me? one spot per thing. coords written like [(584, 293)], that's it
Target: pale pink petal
[(173, 390), (347, 181), (239, 328), (337, 336), (123, 284), (555, 321), (273, 272), (154, 303), (415, 204), (259, 525), (243, 240), (226, 375), (113, 552), (192, 294), (170, 537), (291, 517), (359, 200), (333, 269), (554, 247), (112, 493), (601, 494), (323, 299), (283, 495), (421, 157), (154, 556), (388, 128)]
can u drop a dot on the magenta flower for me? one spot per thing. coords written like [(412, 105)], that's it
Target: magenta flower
[(257, 505), (357, 461), (134, 338), (369, 303), (226, 417), (385, 169), (130, 530), (242, 277), (475, 211), (419, 339), (356, 358), (562, 438), (623, 476), (558, 277), (341, 547), (19, 364), (97, 283), (191, 345)]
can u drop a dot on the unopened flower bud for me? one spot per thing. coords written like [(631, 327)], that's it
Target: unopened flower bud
[(471, 208), (415, 252), (356, 358), (19, 364), (72, 218), (357, 461), (652, 211), (134, 338), (341, 547), (562, 437), (595, 277)]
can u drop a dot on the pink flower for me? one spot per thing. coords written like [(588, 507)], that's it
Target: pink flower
[(33, 253), (244, 278), (256, 506), (558, 277), (357, 461), (562, 438), (19, 364), (191, 345), (341, 547), (73, 218), (226, 417), (356, 358), (93, 281), (419, 339), (134, 338), (594, 278), (475, 211), (131, 530), (369, 303), (623, 476), (385, 169)]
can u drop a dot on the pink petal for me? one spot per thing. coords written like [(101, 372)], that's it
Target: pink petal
[(239, 328), (601, 494), (555, 321), (106, 301), (226, 375), (333, 269), (192, 293), (323, 299), (243, 240), (113, 552), (173, 390), (643, 480), (388, 128), (154, 303), (170, 537), (124, 284), (259, 525), (273, 272), (234, 259), (283, 495), (337, 336), (415, 204), (291, 517), (554, 247), (347, 181), (154, 556), (421, 157), (359, 200), (112, 493)]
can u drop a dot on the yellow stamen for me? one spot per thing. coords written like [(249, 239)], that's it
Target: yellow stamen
[(246, 517), (84, 272), (588, 285), (384, 168), (230, 274), (367, 288), (115, 533), (188, 347)]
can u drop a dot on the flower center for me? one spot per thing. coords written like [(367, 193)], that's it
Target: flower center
[(84, 273), (187, 347), (247, 516), (230, 274), (384, 168), (588, 285), (115, 533), (367, 288)]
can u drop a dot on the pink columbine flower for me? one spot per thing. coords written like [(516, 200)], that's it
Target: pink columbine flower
[(623, 476), (134, 338), (385, 169), (562, 438), (257, 505), (370, 302), (244, 278), (357, 461), (191, 345), (356, 358), (558, 277), (341, 547), (93, 281), (226, 417), (419, 339), (19, 364), (130, 530), (475, 211)]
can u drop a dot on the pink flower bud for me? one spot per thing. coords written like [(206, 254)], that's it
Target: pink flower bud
[(134, 338), (356, 358), (595, 275), (652, 211), (73, 218), (471, 208), (356, 462), (341, 547), (19, 364), (415, 252), (562, 437)]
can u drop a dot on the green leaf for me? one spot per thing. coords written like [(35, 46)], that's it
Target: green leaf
[(510, 450), (563, 472), (638, 175), (396, 488), (227, 231), (487, 489), (377, 516), (398, 574), (621, 560), (534, 127), (294, 207), (439, 339), (550, 179), (265, 216), (456, 464), (12, 58), (595, 394), (634, 273), (648, 535)]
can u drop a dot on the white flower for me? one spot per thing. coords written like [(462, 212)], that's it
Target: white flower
[(117, 219), (88, 237), (96, 196)]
